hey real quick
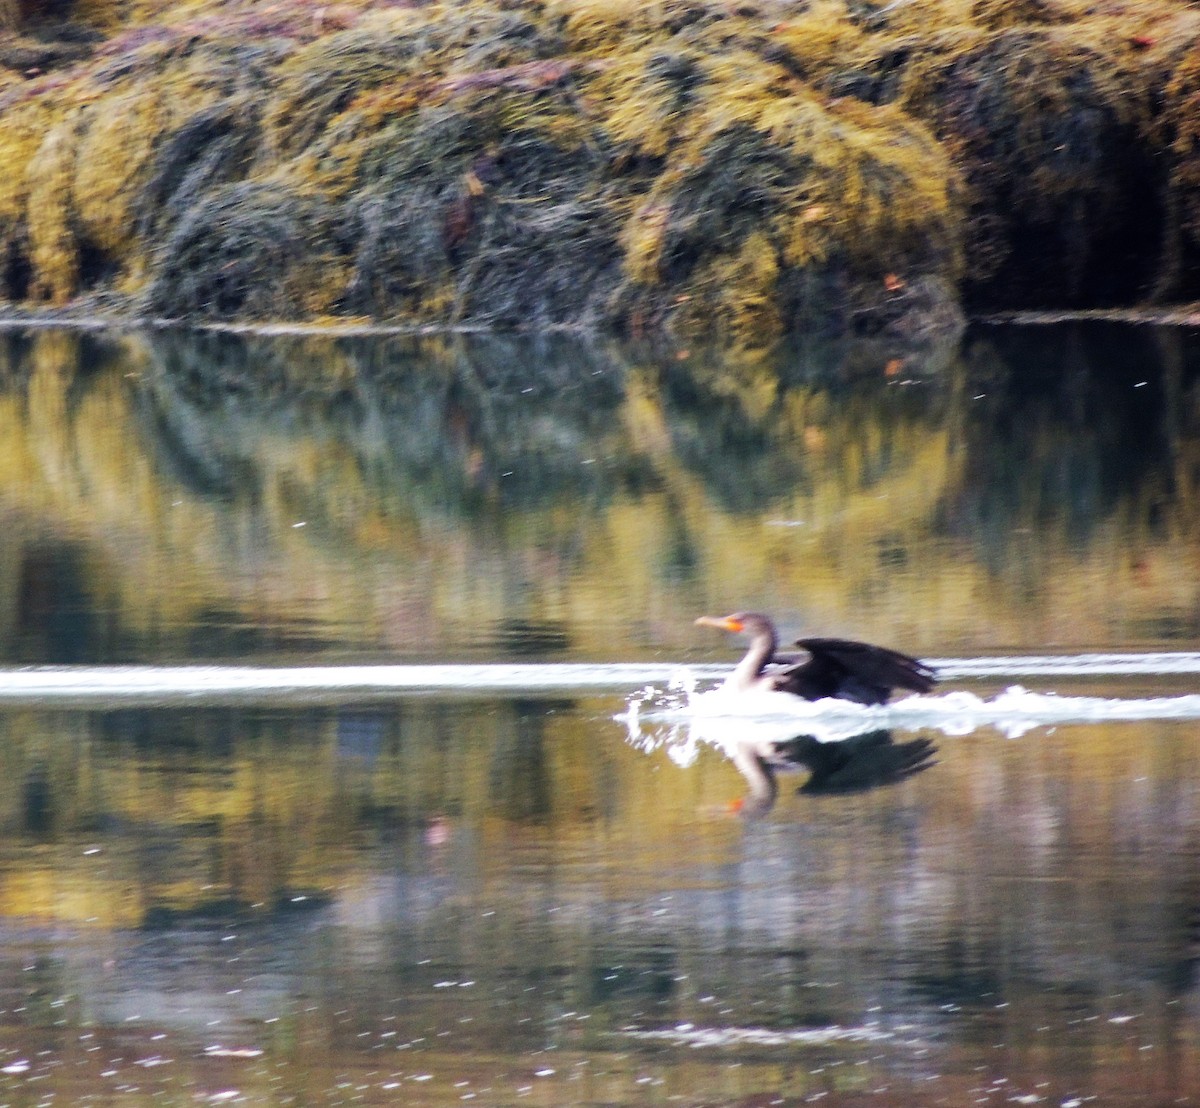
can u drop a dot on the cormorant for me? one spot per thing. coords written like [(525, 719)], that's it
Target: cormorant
[(840, 668)]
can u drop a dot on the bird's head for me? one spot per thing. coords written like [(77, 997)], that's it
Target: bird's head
[(740, 623)]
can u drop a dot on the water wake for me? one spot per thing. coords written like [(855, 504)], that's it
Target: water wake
[(175, 686), (223, 684), (1159, 664)]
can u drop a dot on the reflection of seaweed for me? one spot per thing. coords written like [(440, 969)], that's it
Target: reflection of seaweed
[(466, 426), (186, 452), (516, 422), (15, 360), (463, 426), (716, 437), (739, 436)]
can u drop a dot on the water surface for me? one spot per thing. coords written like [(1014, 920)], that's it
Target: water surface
[(348, 751)]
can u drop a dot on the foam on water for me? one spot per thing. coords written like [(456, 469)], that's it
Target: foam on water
[(1013, 712)]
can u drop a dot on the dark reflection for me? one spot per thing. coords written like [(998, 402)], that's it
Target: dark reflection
[(228, 633), (523, 637), (1065, 424), (216, 733), (221, 913), (963, 979), (1181, 964), (456, 424), (185, 450), (649, 977), (37, 805), (58, 617), (851, 765), (733, 425), (361, 735), (520, 777)]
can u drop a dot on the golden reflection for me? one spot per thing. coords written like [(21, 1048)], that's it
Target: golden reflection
[(417, 499), (106, 819)]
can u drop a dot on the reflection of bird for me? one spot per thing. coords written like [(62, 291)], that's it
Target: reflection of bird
[(838, 668), (856, 764)]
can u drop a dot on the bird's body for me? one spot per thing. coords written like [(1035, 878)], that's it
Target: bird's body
[(838, 668)]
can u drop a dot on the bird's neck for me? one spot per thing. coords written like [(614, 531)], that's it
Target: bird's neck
[(760, 779), (750, 668)]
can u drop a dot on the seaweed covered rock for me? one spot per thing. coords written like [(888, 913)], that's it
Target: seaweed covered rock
[(1177, 135), (1063, 195), (252, 249), (476, 211), (693, 166)]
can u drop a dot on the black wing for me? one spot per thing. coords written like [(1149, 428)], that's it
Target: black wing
[(855, 671)]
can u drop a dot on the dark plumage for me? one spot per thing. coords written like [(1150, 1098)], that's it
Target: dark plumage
[(840, 668)]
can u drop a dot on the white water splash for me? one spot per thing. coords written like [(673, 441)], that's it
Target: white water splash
[(724, 719), (1016, 710)]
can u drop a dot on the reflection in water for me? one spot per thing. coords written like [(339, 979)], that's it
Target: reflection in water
[(496, 898), (854, 764), (488, 897), (216, 496), (757, 732), (53, 607)]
